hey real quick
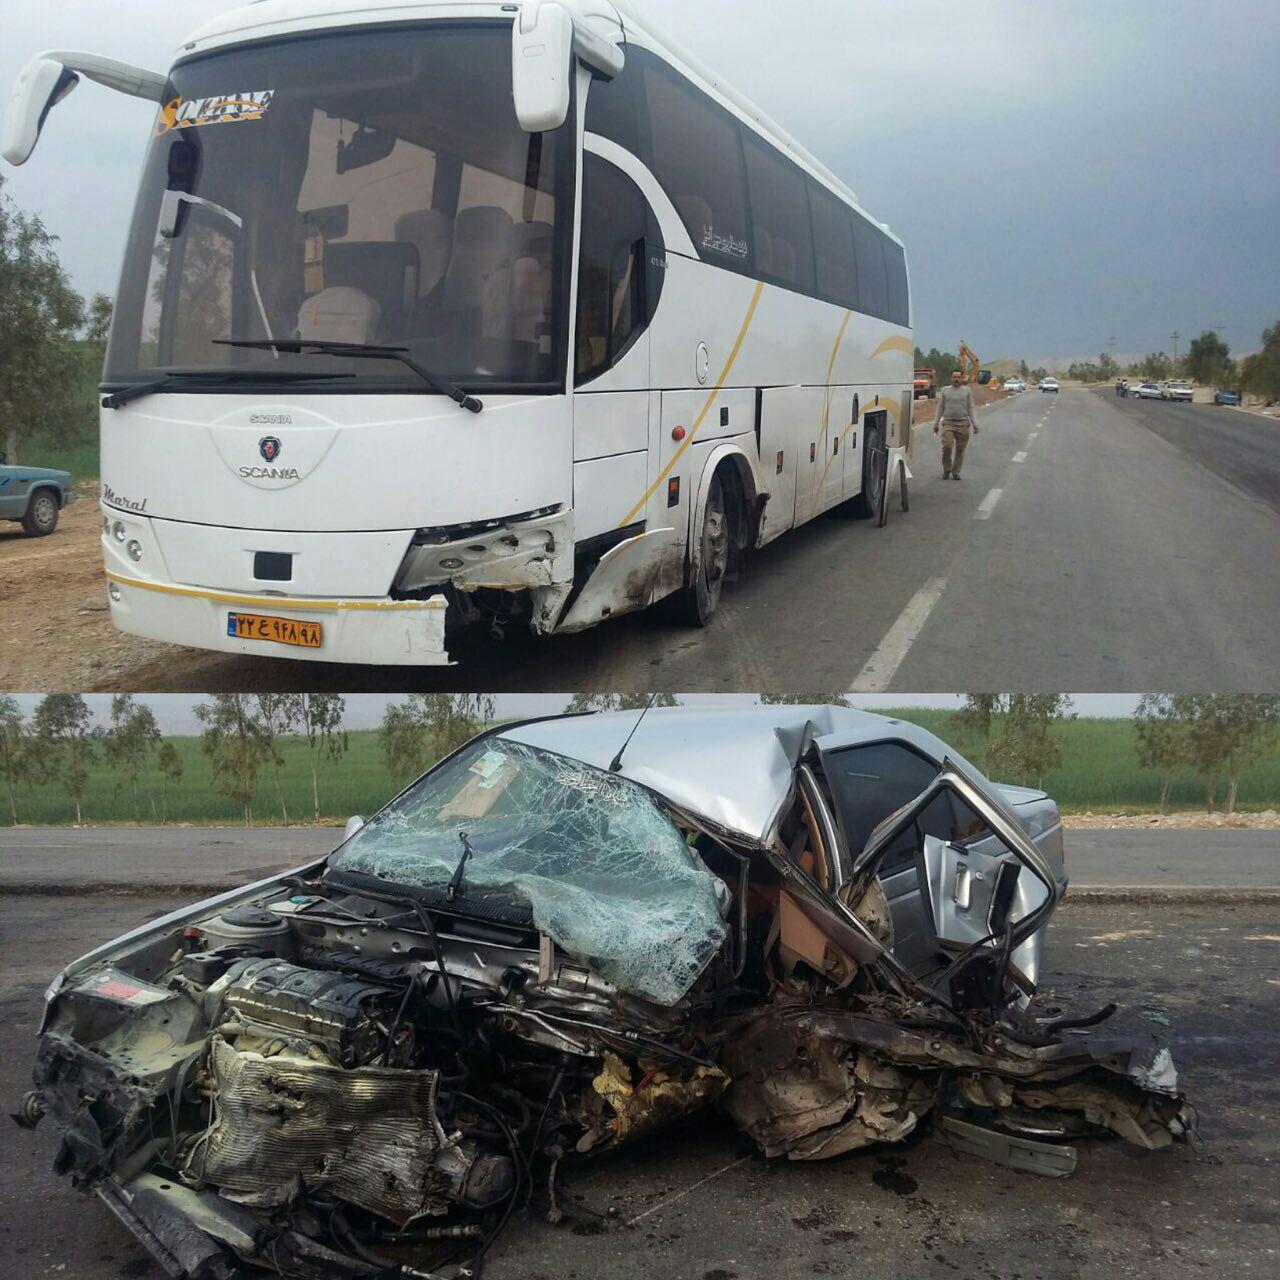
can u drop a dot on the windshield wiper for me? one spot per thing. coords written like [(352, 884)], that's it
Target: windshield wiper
[(215, 377), (455, 882), (358, 351)]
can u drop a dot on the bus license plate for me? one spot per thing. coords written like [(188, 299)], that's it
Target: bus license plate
[(257, 626)]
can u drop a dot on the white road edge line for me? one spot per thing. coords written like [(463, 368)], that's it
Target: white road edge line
[(1033, 435), (988, 505), (883, 664), (1020, 456), (670, 1200)]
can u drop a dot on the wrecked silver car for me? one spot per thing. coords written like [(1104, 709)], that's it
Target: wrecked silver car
[(571, 933)]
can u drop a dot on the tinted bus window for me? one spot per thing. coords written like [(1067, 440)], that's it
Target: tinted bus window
[(618, 288), (899, 302), (697, 157), (781, 237), (613, 109), (833, 244), (873, 283)]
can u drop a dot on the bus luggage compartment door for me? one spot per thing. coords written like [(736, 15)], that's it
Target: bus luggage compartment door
[(782, 415)]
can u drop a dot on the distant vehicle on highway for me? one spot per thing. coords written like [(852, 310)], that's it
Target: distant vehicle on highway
[(1015, 384), (1146, 391), (1226, 397), (1177, 390), (1050, 384), (926, 384), (34, 497)]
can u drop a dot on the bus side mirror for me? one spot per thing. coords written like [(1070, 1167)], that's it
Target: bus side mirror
[(47, 79), (542, 65)]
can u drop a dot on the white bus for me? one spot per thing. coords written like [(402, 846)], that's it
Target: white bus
[(440, 313)]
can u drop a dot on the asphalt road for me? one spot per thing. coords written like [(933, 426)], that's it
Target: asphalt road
[(694, 1204), (120, 859), (1094, 544)]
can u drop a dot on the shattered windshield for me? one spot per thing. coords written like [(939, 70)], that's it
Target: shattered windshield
[(601, 868), (371, 188)]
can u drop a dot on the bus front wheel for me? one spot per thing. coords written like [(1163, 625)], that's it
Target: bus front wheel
[(696, 603)]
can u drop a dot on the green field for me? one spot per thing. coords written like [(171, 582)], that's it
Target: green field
[(1100, 773)]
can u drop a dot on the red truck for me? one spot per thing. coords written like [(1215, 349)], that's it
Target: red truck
[(926, 384)]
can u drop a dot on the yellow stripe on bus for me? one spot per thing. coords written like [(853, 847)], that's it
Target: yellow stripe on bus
[(894, 344), (702, 417), (273, 603)]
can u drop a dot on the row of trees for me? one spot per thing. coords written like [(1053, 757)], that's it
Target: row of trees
[(51, 341), (242, 737), (1213, 736), (1208, 361)]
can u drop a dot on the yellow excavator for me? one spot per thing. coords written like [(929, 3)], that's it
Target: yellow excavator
[(971, 366)]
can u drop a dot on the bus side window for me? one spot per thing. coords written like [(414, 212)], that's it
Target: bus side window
[(618, 283), (779, 215), (899, 301), (697, 157), (873, 283), (833, 242)]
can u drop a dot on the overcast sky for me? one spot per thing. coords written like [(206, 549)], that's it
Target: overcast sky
[(1063, 172), (175, 712)]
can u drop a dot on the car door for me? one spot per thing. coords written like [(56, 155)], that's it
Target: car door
[(14, 488)]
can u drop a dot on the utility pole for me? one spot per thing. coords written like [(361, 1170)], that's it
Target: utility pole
[(1176, 335)]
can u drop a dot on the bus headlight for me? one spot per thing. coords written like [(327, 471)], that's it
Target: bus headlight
[(134, 550), (118, 531)]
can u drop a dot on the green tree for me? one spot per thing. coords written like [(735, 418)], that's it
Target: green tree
[(1157, 367), (280, 714), (585, 702), (943, 363), (169, 763), (1208, 359), (1018, 729), (15, 756), (63, 726), (1226, 732), (1260, 372), (131, 744), (1162, 740), (321, 716), (40, 314), (429, 726), (236, 742)]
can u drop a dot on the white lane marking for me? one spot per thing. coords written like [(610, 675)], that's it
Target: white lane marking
[(670, 1200), (1033, 435), (1020, 456), (988, 505), (883, 665)]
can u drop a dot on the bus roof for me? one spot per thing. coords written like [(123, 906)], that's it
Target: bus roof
[(263, 18)]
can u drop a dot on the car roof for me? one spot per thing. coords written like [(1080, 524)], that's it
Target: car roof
[(732, 766)]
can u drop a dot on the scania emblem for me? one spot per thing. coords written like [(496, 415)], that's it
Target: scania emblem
[(269, 447)]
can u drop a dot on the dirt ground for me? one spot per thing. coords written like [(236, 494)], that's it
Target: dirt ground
[(55, 631), (1263, 820)]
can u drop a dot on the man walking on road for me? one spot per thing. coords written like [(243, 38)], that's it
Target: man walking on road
[(954, 420)]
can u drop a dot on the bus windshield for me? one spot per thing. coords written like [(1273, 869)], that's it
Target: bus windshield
[(367, 187)]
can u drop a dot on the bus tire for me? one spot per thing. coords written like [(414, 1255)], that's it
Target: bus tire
[(41, 517), (695, 604), (867, 503)]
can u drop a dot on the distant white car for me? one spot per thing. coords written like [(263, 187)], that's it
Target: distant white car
[(1015, 384), (1146, 391), (1177, 391), (1050, 384)]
